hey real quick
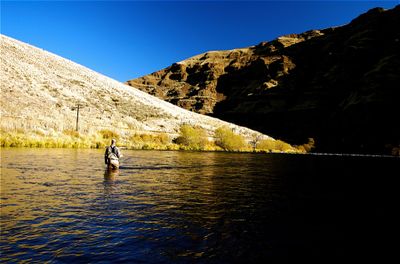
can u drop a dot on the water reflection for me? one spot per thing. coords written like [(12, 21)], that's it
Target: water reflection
[(110, 175), (163, 207)]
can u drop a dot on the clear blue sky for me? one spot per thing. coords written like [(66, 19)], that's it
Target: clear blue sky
[(128, 39)]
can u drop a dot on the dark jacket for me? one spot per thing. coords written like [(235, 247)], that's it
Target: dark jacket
[(111, 151)]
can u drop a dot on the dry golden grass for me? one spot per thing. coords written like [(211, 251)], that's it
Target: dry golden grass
[(73, 139), (228, 140), (191, 138), (270, 145), (109, 134)]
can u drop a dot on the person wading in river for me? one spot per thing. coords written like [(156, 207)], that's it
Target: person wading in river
[(112, 155)]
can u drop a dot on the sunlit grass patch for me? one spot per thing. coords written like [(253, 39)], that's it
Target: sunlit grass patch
[(192, 137), (70, 132), (228, 140), (109, 134), (55, 140)]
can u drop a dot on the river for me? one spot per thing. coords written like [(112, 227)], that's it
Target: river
[(62, 206)]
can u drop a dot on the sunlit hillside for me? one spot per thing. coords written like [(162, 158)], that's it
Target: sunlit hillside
[(40, 93)]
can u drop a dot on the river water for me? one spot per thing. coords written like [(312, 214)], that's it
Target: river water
[(62, 206)]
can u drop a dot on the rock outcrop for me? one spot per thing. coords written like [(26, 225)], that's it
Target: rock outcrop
[(337, 85)]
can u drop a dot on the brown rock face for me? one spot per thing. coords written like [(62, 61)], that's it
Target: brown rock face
[(338, 85)]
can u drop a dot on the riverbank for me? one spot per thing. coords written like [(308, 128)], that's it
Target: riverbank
[(131, 141)]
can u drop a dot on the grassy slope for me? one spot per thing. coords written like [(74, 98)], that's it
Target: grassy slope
[(40, 92)]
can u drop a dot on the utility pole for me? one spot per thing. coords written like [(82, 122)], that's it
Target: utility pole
[(77, 115), (77, 118)]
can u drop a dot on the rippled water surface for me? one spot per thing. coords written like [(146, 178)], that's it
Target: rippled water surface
[(62, 206)]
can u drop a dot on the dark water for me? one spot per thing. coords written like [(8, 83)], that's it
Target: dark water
[(61, 206)]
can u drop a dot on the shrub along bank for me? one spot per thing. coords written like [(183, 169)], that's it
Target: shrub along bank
[(189, 138)]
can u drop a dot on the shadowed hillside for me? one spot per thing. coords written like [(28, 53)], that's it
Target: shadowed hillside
[(337, 85), (40, 93)]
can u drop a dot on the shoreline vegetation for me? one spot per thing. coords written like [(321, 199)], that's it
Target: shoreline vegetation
[(191, 138)]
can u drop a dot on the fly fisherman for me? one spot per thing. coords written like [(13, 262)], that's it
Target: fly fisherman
[(112, 155)]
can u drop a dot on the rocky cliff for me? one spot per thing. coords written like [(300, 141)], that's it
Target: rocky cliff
[(337, 85)]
